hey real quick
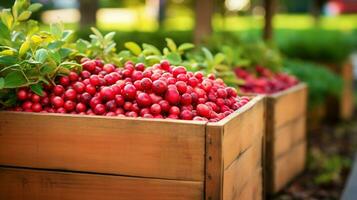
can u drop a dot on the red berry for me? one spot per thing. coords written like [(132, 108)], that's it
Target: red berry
[(159, 86), (69, 105), (94, 102), (85, 74), (57, 102), (165, 65), (109, 68), (155, 109), (89, 65), (178, 70), (107, 93), (146, 84), (186, 99), (222, 93), (172, 96), (165, 106), (64, 80), (73, 76), (111, 106), (181, 86), (140, 67), (186, 115), (127, 105), (22, 95), (94, 80), (147, 116), (99, 109), (99, 62), (203, 110), (90, 89), (79, 87), (137, 75), (58, 90), (143, 99), (27, 105), (174, 110), (129, 91), (119, 100), (81, 107), (131, 114), (35, 98), (70, 94)]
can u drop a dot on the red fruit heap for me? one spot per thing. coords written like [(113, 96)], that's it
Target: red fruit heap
[(264, 81), (160, 91)]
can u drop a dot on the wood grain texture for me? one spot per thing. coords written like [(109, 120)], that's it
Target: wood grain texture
[(135, 147), (241, 171), (25, 184), (241, 132), (214, 163), (287, 136), (289, 166), (289, 104), (253, 189)]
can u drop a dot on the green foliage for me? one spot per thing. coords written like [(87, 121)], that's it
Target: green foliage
[(316, 45), (28, 55), (321, 81), (245, 52), (328, 167)]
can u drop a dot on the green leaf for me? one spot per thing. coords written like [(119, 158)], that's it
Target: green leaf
[(108, 37), (24, 48), (56, 30), (150, 49), (2, 83), (171, 44), (35, 7), (7, 18), (55, 45), (7, 60), (97, 33), (133, 47), (24, 15), (15, 79), (41, 55), (219, 58), (47, 69), (37, 88), (208, 54), (55, 55), (67, 35), (174, 58), (82, 45), (4, 32), (185, 46), (65, 52)]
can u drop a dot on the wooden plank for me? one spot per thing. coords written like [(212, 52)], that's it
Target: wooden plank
[(241, 132), (253, 190), (289, 104), (287, 136), (214, 163), (25, 184), (136, 147), (241, 171), (347, 97), (289, 166)]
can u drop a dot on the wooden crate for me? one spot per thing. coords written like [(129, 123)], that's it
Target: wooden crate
[(285, 137), (51, 156)]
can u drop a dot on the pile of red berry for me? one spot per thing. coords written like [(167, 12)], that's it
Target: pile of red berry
[(263, 81), (160, 91)]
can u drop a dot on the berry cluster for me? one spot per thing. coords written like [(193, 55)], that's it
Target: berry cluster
[(160, 91), (264, 81)]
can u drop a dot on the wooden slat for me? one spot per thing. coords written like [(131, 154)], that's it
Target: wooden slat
[(347, 96), (241, 171), (241, 132), (289, 104), (124, 146), (289, 135), (214, 163), (25, 184), (289, 165), (253, 189)]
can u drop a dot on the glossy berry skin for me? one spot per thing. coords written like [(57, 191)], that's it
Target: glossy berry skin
[(57, 102), (58, 90), (155, 109), (64, 80), (22, 95), (203, 110), (69, 105), (159, 86), (89, 65), (70, 94), (99, 109), (107, 93), (143, 99), (129, 91)]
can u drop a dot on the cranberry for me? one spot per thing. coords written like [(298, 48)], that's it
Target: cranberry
[(85, 74), (79, 87), (146, 84), (81, 107), (172, 96), (99, 62), (94, 80), (27, 105), (165, 65), (109, 68), (140, 67), (147, 115), (222, 93), (119, 100), (178, 70), (131, 114), (73, 76), (64, 80), (99, 109), (174, 110), (89, 65), (186, 99), (94, 102), (155, 109), (143, 99), (203, 110), (129, 91), (70, 94), (58, 90), (107, 93), (22, 94), (35, 98), (111, 105), (159, 87), (90, 89), (186, 115), (165, 106), (181, 87), (57, 102), (69, 105)]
